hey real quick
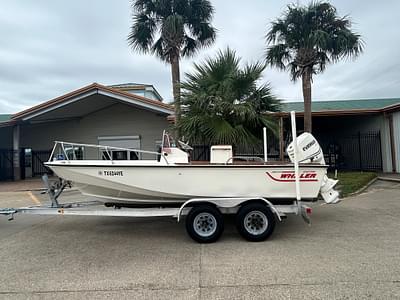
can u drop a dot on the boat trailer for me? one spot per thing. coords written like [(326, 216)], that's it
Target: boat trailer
[(203, 214), (255, 216)]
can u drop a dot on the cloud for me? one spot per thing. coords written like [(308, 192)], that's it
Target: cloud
[(49, 48)]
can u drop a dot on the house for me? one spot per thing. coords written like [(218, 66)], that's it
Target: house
[(354, 134), (129, 115)]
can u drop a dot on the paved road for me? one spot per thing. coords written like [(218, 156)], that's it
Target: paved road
[(351, 251)]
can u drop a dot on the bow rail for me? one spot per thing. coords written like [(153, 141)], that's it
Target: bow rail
[(68, 151)]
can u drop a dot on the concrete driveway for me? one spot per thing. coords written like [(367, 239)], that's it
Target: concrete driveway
[(351, 251)]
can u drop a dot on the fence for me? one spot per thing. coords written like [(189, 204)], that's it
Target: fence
[(202, 152), (6, 164), (361, 151), (38, 158), (28, 161)]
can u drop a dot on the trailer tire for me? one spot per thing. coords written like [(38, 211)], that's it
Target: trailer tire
[(255, 222), (204, 223)]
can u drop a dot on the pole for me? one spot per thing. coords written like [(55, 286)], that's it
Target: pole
[(265, 144), (296, 162), (281, 154)]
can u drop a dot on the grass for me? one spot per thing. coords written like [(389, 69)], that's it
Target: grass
[(350, 182)]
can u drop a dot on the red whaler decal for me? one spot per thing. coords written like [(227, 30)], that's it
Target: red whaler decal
[(289, 176)]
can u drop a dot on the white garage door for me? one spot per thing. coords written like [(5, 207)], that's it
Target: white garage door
[(130, 142)]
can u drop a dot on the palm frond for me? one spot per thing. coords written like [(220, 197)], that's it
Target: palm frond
[(224, 102), (183, 26), (190, 46), (158, 49), (142, 32), (278, 56), (310, 37)]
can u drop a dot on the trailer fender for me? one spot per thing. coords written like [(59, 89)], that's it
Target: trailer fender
[(227, 203)]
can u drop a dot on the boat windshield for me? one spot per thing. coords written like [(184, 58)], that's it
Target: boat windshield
[(168, 141)]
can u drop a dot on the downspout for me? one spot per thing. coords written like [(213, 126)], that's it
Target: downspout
[(392, 146)]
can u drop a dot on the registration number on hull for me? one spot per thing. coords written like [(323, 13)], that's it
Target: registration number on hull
[(111, 173)]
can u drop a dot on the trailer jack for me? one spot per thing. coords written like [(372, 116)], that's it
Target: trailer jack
[(55, 189)]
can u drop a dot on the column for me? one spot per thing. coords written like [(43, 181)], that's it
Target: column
[(16, 153)]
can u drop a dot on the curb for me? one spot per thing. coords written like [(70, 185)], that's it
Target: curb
[(389, 179), (359, 191)]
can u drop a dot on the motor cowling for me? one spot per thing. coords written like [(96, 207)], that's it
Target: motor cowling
[(308, 150)]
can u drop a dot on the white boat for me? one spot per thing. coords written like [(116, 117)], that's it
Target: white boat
[(257, 193), (170, 178)]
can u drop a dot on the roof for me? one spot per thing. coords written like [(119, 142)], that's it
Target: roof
[(5, 117), (91, 89), (135, 86), (129, 85), (342, 104), (344, 107)]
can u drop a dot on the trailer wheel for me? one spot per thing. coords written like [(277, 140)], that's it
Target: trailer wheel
[(255, 222), (204, 223)]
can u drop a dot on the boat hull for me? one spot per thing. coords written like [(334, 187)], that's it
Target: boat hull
[(158, 184)]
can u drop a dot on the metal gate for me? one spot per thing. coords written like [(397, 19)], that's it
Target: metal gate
[(38, 158), (6, 164), (202, 152), (361, 151)]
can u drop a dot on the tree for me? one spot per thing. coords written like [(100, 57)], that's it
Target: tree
[(223, 104), (307, 38), (172, 29)]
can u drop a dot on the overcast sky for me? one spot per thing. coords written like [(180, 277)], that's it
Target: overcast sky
[(49, 47)]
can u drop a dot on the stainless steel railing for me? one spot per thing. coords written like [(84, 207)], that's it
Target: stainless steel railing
[(65, 146)]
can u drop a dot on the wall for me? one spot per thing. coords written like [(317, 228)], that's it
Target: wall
[(118, 119)]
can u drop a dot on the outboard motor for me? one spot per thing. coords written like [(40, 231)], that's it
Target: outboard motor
[(309, 151)]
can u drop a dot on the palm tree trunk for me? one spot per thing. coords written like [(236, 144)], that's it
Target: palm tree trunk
[(306, 81), (176, 89)]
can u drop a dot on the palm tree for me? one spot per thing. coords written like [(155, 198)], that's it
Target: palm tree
[(307, 38), (223, 104), (172, 29)]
